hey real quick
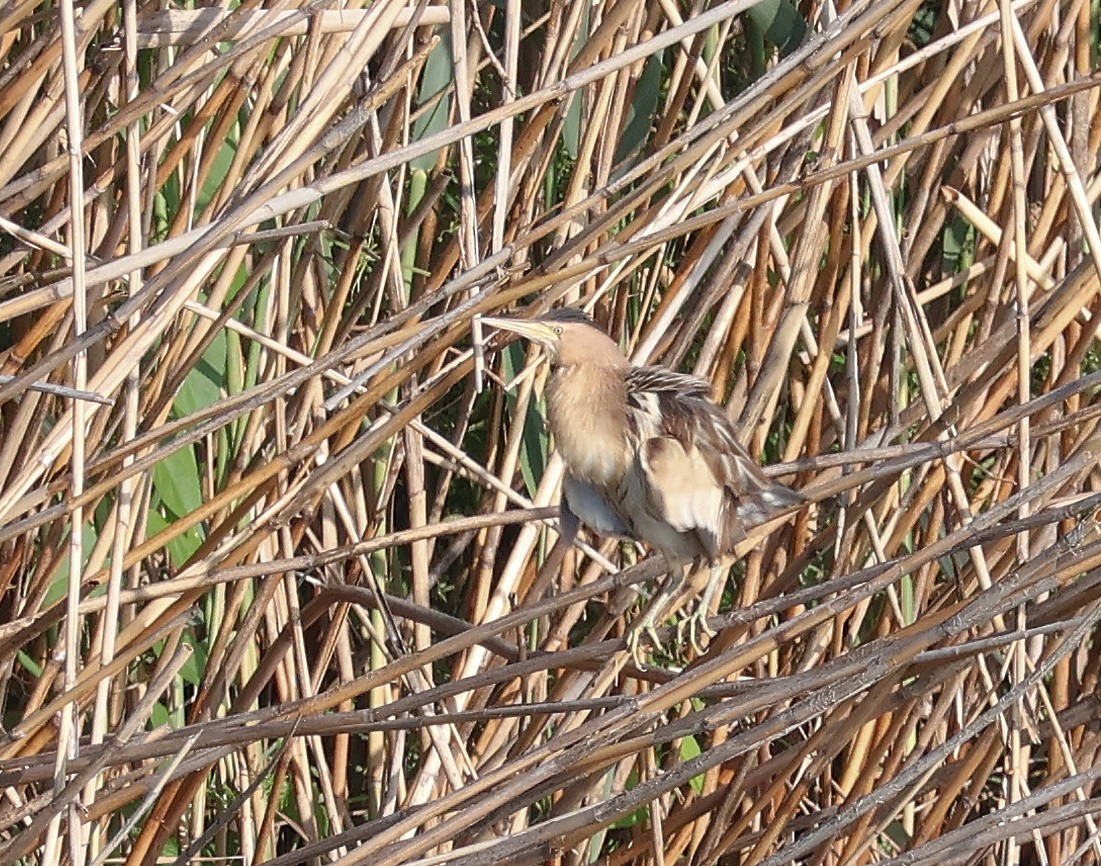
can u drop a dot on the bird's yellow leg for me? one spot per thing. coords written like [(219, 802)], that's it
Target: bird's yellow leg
[(659, 604), (697, 619)]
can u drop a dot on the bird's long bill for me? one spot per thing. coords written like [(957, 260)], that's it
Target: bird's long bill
[(532, 330)]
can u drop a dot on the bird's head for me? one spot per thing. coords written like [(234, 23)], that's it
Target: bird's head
[(568, 336)]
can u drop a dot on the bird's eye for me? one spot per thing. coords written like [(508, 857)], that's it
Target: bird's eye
[(558, 330)]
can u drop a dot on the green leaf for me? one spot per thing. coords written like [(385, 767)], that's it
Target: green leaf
[(59, 586), (32, 667), (571, 126), (689, 749), (533, 452), (641, 118), (177, 484), (535, 443), (206, 383), (957, 245), (781, 23), (437, 77), (177, 481), (236, 368), (418, 184), (219, 169), (194, 668), (257, 305), (160, 717), (180, 548)]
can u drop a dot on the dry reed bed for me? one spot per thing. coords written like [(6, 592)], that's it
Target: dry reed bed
[(882, 252)]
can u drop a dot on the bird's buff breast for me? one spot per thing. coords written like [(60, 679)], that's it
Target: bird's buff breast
[(589, 426)]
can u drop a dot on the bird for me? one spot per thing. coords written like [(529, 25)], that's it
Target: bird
[(648, 456)]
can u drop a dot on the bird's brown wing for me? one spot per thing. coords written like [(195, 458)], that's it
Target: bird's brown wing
[(695, 474)]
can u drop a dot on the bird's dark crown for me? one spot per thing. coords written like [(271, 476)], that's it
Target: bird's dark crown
[(570, 314)]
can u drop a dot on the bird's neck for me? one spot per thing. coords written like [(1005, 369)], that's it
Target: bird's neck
[(587, 413)]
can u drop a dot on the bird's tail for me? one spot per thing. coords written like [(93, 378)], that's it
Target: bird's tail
[(767, 501)]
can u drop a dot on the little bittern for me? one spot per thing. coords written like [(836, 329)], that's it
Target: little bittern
[(648, 455)]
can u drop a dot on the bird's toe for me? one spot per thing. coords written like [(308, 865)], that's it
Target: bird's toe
[(696, 623), (645, 627), (634, 645)]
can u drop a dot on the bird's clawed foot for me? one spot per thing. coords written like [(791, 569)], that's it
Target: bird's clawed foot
[(696, 623), (644, 627), (648, 622)]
